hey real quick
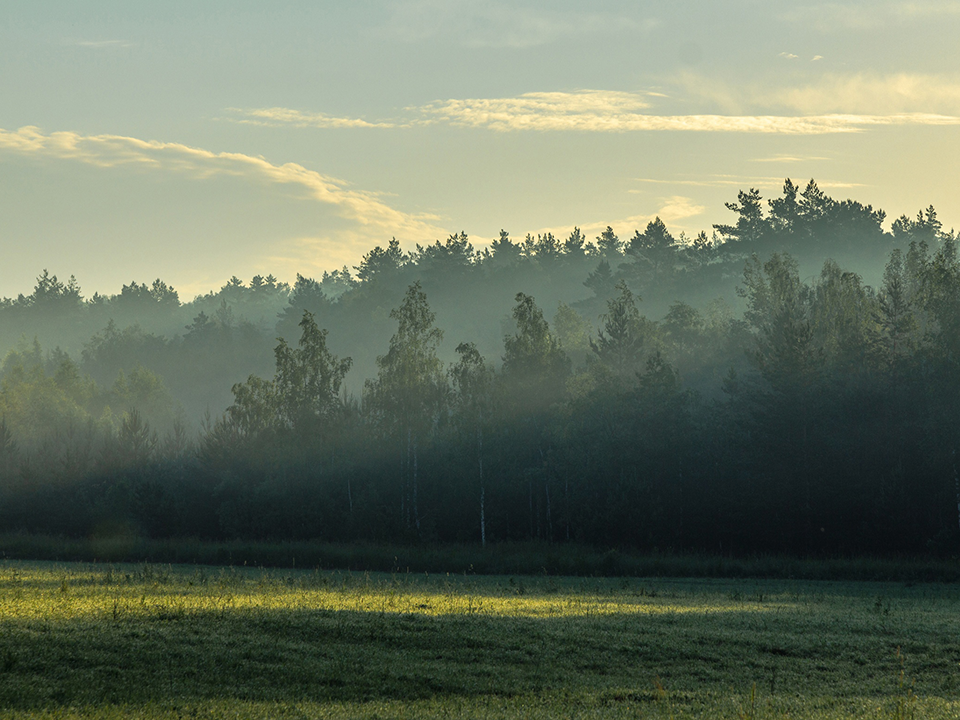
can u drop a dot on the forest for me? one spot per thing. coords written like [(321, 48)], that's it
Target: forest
[(787, 383)]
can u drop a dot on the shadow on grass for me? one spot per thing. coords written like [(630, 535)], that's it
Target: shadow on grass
[(258, 655)]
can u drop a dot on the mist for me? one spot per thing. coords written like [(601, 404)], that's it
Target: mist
[(782, 382)]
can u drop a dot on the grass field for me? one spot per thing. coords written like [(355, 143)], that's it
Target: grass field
[(190, 641), (510, 558)]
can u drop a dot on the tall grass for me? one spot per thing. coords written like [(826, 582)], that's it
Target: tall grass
[(161, 641), (495, 559)]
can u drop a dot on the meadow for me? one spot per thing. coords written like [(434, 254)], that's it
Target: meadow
[(180, 641)]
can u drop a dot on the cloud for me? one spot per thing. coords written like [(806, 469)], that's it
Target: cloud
[(890, 99), (598, 111), (312, 255), (823, 108), (673, 210), (581, 110), (869, 93), (101, 44), (278, 117), (789, 158), (371, 217), (488, 24), (788, 56), (679, 207)]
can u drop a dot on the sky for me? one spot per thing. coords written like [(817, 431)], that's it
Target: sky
[(194, 141)]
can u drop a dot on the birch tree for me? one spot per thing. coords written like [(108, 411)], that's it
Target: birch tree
[(408, 393), (472, 382)]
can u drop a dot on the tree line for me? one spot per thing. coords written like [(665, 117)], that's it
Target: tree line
[(821, 419)]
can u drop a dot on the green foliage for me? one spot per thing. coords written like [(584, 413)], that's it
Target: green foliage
[(750, 226), (472, 384), (34, 402), (308, 380), (897, 313), (381, 263), (655, 249), (815, 423), (410, 392), (136, 444), (620, 342), (573, 332), (410, 387), (778, 309), (534, 364), (608, 244), (843, 319)]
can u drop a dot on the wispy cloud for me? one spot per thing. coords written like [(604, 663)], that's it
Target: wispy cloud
[(278, 117), (491, 24), (789, 159), (673, 210), (581, 110), (372, 218), (889, 99), (528, 108), (679, 207), (595, 111), (312, 255), (614, 111), (788, 56), (894, 94), (101, 44)]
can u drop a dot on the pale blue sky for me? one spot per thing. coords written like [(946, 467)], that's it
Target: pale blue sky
[(198, 140)]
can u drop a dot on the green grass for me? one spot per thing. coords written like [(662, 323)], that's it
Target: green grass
[(497, 559), (190, 641)]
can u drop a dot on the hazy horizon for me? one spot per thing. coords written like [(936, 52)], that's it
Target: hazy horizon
[(195, 143)]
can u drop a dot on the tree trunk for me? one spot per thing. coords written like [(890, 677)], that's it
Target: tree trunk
[(680, 484), (546, 490), (404, 463), (416, 509), (483, 519), (956, 484), (530, 490)]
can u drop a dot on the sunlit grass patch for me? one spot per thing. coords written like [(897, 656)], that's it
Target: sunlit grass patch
[(58, 592), (182, 641)]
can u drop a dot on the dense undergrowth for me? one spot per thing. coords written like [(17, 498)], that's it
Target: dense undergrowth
[(538, 559)]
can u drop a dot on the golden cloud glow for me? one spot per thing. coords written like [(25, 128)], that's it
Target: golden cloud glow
[(790, 158), (373, 217), (891, 96), (850, 99), (277, 117), (511, 114), (608, 111)]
